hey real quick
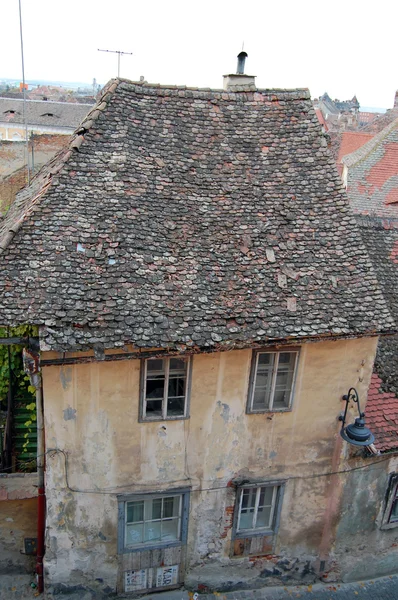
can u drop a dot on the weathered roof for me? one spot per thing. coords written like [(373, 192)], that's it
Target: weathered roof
[(372, 182), (351, 141), (382, 415), (191, 217), (44, 113)]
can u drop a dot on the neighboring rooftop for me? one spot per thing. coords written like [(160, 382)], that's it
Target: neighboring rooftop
[(372, 186), (185, 217), (43, 113), (351, 141), (372, 182)]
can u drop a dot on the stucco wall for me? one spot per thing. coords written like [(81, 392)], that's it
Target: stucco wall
[(91, 413)]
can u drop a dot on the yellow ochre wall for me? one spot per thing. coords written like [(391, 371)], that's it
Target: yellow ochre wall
[(91, 413)]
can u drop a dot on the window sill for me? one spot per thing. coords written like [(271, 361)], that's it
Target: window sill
[(161, 419), (268, 411), (250, 533), (146, 547), (389, 525)]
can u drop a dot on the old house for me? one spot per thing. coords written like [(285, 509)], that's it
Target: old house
[(204, 300)]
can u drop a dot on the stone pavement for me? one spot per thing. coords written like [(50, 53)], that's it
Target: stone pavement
[(17, 587)]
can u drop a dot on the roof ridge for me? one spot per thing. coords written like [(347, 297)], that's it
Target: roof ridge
[(24, 204), (146, 84), (363, 152)]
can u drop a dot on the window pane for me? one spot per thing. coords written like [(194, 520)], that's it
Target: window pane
[(152, 531), (155, 387), (249, 498), (154, 408), (154, 364), (175, 407), (262, 389), (246, 521), (176, 385), (134, 534), (265, 359), (135, 512), (156, 509), (266, 496), (394, 511), (287, 358), (263, 517), (281, 399), (171, 507), (170, 530), (177, 364)]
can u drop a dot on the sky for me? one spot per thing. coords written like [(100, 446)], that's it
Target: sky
[(344, 47)]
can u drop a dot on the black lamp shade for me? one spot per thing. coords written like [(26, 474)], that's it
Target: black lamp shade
[(357, 434)]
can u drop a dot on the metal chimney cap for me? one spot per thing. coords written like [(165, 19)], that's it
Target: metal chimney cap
[(240, 69)]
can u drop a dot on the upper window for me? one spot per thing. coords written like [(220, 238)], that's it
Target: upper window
[(258, 509), (165, 388), (390, 518), (152, 520), (272, 380)]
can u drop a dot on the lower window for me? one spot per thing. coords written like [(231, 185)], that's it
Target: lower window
[(390, 517), (258, 509), (155, 520)]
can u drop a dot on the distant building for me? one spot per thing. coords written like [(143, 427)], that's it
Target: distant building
[(43, 117)]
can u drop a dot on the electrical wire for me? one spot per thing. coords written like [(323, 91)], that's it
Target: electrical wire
[(115, 489)]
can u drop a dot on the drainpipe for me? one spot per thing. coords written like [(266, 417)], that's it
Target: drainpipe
[(31, 360)]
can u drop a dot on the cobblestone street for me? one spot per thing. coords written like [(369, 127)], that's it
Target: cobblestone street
[(385, 588)]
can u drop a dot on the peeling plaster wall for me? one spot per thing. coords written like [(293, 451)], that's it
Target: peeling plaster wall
[(368, 550), (91, 413)]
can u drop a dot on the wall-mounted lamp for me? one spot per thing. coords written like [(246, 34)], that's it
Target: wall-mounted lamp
[(355, 433)]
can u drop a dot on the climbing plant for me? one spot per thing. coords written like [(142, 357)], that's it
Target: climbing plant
[(23, 403), (20, 380)]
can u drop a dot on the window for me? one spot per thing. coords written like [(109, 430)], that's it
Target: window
[(272, 380), (258, 509), (165, 388), (156, 520), (390, 517)]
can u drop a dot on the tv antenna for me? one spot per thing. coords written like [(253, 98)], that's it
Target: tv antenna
[(119, 54)]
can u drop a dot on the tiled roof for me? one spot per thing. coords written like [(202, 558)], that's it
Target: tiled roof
[(351, 141), (372, 182), (321, 118), (382, 415), (44, 113), (185, 217)]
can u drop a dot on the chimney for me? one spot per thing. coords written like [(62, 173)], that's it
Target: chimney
[(396, 100), (239, 82)]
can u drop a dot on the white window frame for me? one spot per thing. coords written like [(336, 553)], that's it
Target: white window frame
[(143, 400), (391, 498), (277, 496), (123, 501), (253, 376)]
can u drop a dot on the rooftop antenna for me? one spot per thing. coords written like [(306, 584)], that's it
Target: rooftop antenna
[(119, 53), (24, 94)]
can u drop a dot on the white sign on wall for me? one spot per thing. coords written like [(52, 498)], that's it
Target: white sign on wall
[(147, 579), (167, 576), (135, 580)]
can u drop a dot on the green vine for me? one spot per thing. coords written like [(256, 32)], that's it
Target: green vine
[(23, 391)]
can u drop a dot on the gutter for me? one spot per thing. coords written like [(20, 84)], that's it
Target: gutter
[(31, 361)]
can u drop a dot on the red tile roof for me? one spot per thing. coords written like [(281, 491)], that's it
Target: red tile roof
[(382, 416), (351, 141), (321, 118)]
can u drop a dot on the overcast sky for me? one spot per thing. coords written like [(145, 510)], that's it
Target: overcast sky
[(344, 47)]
